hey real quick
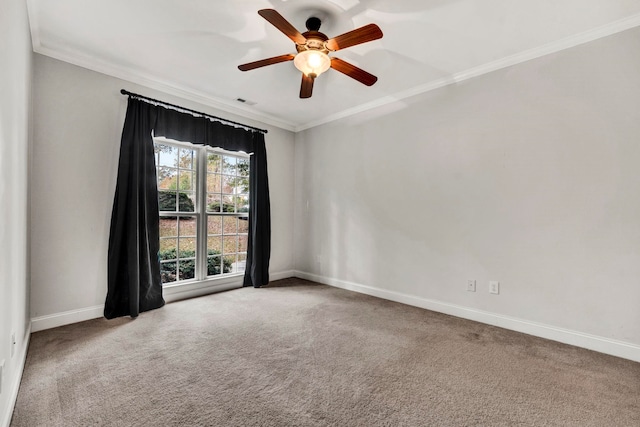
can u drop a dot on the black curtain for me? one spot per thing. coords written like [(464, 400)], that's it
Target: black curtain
[(133, 273), (200, 130), (134, 269), (259, 249)]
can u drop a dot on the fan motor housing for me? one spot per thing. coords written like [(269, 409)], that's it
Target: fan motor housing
[(315, 41)]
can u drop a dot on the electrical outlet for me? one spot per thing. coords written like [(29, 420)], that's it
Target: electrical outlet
[(494, 287), (471, 285)]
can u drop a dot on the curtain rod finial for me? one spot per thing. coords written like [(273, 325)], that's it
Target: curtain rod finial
[(124, 92)]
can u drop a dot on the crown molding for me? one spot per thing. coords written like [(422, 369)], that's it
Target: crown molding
[(228, 106), (152, 82), (518, 58)]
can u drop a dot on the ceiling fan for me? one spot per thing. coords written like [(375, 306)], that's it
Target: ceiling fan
[(313, 49)]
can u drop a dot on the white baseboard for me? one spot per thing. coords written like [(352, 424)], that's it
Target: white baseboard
[(612, 347), (54, 320), (5, 421), (170, 293), (282, 275)]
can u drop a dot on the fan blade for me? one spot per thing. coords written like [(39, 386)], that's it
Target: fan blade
[(352, 71), (283, 25), (358, 36), (306, 89), (265, 62)]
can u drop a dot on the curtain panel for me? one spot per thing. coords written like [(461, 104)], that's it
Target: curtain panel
[(133, 270), (200, 130), (134, 283)]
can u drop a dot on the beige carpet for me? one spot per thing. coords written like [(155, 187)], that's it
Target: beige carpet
[(301, 354)]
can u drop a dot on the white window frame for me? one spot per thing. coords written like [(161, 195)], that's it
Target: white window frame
[(201, 216)]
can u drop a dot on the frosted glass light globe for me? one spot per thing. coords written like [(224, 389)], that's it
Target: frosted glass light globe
[(312, 62)]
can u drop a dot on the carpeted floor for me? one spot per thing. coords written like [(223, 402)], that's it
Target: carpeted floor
[(302, 354)]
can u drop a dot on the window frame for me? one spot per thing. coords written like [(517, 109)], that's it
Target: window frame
[(201, 214)]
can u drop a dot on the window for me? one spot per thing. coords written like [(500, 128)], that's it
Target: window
[(203, 195)]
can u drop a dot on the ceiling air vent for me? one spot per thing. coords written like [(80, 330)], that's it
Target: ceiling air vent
[(245, 101)]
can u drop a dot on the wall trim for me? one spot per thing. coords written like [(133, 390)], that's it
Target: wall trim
[(600, 344), (130, 74), (282, 275), (17, 379), (170, 293), (508, 61), (134, 76), (54, 320)]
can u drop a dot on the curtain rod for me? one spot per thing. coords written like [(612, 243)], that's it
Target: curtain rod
[(135, 95)]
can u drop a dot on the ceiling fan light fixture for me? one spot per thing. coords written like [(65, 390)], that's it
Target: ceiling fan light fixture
[(313, 48), (312, 62)]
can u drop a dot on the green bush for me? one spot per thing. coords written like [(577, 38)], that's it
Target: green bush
[(167, 201), (226, 207), (187, 268)]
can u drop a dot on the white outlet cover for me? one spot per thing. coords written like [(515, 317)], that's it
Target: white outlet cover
[(471, 285), (494, 287)]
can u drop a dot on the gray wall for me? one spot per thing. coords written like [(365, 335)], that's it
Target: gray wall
[(529, 176), (78, 122), (15, 109)]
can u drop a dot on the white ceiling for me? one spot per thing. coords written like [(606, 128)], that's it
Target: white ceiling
[(192, 48)]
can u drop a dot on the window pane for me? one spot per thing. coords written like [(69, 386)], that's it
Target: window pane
[(242, 243), (187, 158), (167, 178), (243, 168), (243, 203), (187, 237), (227, 204), (168, 227), (214, 244), (167, 200), (168, 248), (230, 225), (228, 184), (227, 263), (240, 265), (187, 269), (158, 148), (188, 226), (214, 225), (213, 265), (187, 201), (168, 271), (213, 202), (214, 163), (187, 247), (214, 183), (229, 165), (167, 155), (186, 180), (243, 225), (230, 244), (242, 178)]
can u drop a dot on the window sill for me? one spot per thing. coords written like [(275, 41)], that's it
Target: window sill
[(191, 289)]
